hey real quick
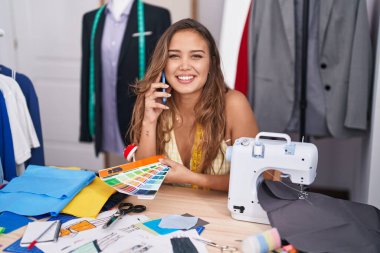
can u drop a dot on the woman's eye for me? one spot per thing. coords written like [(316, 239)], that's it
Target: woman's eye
[(173, 56), (197, 56)]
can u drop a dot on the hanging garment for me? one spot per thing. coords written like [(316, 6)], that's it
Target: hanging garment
[(6, 143), (316, 124), (345, 65), (320, 223), (23, 133), (156, 21), (234, 17), (27, 88), (241, 80)]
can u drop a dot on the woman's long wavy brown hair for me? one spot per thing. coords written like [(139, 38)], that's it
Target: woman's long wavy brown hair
[(210, 109)]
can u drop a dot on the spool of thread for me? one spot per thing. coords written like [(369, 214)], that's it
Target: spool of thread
[(262, 243), (129, 151)]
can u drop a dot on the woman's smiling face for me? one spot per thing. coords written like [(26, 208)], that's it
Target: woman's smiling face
[(188, 62)]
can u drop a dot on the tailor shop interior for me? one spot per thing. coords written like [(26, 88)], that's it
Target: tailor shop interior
[(68, 75)]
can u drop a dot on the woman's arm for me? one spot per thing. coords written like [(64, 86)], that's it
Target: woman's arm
[(147, 143), (240, 120), (153, 109), (179, 174)]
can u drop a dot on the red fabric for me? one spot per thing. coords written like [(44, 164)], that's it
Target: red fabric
[(128, 149), (241, 80)]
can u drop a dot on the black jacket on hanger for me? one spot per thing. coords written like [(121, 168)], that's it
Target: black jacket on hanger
[(157, 19)]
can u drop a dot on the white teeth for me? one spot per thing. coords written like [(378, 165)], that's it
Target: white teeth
[(185, 78)]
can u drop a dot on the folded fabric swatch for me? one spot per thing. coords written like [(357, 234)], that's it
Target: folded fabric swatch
[(43, 189), (90, 200), (176, 221)]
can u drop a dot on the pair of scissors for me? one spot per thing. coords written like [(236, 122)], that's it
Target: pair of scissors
[(222, 248), (122, 210)]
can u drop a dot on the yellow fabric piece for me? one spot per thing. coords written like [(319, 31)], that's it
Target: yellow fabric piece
[(90, 200)]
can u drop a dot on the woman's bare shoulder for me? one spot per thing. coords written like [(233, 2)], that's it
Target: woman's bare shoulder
[(239, 116), (235, 99)]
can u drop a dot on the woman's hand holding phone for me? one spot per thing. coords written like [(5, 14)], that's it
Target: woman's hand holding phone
[(153, 105)]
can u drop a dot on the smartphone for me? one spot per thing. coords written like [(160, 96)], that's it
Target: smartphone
[(163, 80)]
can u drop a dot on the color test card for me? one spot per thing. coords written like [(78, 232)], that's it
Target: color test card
[(142, 178)]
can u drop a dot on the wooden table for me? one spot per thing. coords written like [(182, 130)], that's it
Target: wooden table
[(210, 206)]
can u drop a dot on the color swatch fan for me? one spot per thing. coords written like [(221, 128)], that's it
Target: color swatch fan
[(142, 178)]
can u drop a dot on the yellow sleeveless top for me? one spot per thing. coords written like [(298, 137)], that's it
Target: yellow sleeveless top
[(220, 165)]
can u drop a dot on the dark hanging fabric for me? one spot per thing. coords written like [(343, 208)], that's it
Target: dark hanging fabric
[(7, 156), (320, 223), (315, 111)]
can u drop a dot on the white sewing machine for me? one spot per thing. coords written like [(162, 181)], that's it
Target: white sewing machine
[(250, 157)]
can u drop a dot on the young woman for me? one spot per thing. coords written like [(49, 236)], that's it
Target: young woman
[(201, 115)]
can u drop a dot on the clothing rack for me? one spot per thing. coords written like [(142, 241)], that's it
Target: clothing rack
[(303, 93)]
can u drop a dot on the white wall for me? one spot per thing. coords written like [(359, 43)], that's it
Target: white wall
[(209, 13), (7, 43), (178, 9)]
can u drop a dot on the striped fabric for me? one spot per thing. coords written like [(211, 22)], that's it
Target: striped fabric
[(220, 166)]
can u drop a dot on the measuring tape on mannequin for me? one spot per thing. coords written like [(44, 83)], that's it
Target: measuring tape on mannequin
[(141, 32)]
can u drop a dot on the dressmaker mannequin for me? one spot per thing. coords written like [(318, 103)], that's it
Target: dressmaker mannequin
[(118, 6), (94, 88)]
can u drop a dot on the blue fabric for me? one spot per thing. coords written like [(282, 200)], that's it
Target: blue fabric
[(1, 172), (27, 88), (153, 224), (11, 221), (200, 229), (15, 247), (6, 143), (43, 189), (63, 218)]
